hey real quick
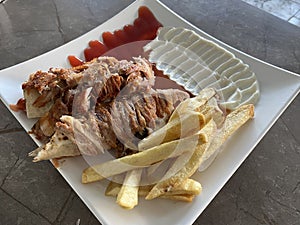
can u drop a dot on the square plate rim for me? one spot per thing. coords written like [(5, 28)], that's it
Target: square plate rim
[(141, 2)]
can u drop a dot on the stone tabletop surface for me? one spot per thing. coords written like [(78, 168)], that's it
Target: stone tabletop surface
[(264, 190)]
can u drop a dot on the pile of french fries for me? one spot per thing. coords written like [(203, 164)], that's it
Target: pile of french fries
[(171, 155)]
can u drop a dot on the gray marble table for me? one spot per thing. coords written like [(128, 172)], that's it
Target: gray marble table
[(264, 190)]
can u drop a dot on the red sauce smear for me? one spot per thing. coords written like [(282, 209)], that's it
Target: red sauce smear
[(20, 106), (144, 28), (162, 81)]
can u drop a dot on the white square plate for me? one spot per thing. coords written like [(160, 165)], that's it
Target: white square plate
[(278, 88)]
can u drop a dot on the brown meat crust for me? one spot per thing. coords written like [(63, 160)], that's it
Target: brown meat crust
[(104, 104)]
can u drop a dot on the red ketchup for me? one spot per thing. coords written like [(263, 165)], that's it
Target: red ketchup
[(162, 81), (127, 43), (20, 106), (144, 28)]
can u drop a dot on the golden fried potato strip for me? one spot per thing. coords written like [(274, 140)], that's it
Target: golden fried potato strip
[(114, 188), (232, 122), (168, 182), (183, 197), (183, 192), (142, 159), (180, 127), (188, 187), (211, 110), (193, 104), (128, 194)]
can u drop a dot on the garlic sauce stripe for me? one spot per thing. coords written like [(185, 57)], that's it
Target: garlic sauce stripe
[(194, 78), (196, 63)]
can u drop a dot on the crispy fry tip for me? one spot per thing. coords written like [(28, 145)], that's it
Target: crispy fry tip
[(84, 179), (251, 110)]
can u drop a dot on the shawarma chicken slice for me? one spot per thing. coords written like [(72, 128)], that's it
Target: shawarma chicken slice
[(43, 88), (103, 77), (103, 130), (112, 107)]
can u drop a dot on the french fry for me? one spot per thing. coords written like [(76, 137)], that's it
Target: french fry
[(236, 119), (232, 122), (155, 167), (184, 192), (144, 190), (183, 197), (115, 184), (114, 188), (193, 104), (212, 110), (177, 165), (188, 187), (142, 159), (128, 194), (168, 182), (180, 127), (155, 171)]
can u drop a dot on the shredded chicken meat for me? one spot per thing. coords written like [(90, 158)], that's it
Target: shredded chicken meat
[(105, 104)]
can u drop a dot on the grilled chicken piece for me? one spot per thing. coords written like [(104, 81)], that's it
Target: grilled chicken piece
[(43, 88), (119, 125), (98, 107), (138, 115), (101, 80)]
